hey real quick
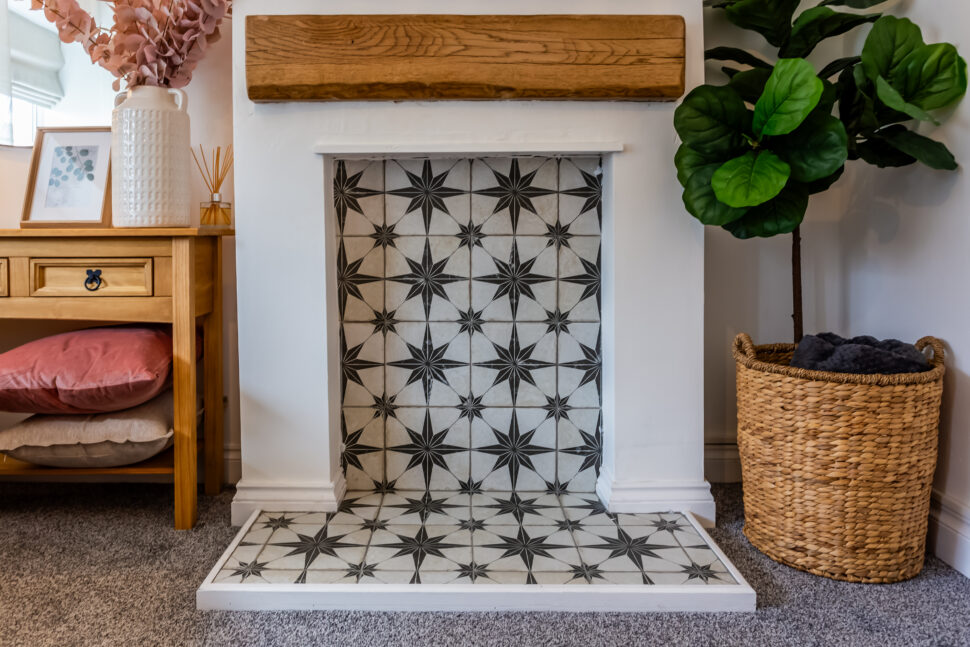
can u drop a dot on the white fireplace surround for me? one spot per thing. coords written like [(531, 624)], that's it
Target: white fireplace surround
[(653, 264)]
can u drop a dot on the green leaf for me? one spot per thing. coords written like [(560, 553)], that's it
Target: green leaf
[(770, 18), (712, 119), (791, 93), (817, 24), (854, 4), (879, 152), (820, 186), (736, 55), (816, 149), (837, 66), (694, 171), (750, 180), (890, 41), (893, 99), (926, 150), (750, 84), (778, 216), (931, 77)]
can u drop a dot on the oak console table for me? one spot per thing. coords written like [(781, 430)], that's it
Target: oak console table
[(147, 275)]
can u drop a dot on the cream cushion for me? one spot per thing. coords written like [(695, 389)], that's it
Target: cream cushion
[(93, 440)]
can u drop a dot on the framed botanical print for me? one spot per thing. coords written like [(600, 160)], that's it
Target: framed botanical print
[(70, 179)]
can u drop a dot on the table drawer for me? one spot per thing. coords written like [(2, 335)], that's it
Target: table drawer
[(91, 277), (4, 281)]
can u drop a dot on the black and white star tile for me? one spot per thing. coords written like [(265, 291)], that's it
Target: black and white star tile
[(440, 537), (470, 287)]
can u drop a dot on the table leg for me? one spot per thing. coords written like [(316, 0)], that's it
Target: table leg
[(212, 358), (184, 381)]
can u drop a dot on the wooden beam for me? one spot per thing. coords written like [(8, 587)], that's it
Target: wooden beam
[(422, 57)]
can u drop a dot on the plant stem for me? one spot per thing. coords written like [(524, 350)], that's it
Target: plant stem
[(796, 282)]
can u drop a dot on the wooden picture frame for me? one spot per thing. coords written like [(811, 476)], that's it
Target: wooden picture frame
[(62, 198)]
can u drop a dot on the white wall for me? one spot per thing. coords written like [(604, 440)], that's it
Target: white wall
[(210, 110), (906, 251)]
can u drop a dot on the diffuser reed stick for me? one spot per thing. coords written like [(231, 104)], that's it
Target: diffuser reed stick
[(214, 170)]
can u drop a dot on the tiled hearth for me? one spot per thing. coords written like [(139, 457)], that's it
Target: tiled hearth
[(489, 547), (469, 296)]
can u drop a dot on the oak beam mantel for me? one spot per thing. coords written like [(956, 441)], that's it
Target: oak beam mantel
[(467, 57)]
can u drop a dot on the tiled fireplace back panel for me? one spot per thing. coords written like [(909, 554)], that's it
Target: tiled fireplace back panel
[(469, 295)]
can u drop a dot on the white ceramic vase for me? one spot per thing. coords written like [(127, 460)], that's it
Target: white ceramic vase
[(150, 158)]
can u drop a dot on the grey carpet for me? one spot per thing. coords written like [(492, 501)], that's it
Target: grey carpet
[(100, 565)]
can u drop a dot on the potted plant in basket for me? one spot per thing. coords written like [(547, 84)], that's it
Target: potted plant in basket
[(153, 47), (837, 467)]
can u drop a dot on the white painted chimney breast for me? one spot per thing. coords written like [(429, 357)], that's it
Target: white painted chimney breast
[(653, 256)]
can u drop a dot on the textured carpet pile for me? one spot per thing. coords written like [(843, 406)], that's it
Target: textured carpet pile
[(101, 565)]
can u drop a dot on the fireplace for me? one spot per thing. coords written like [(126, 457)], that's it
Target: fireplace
[(651, 266), (469, 314)]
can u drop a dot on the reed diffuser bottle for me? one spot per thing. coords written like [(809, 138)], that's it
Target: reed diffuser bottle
[(215, 212)]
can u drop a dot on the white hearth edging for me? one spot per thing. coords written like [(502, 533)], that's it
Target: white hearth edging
[(252, 496)]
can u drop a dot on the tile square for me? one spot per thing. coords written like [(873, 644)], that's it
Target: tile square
[(514, 364), (357, 507), (633, 549), (315, 547), (361, 364), (587, 509), (581, 194), (435, 548), (427, 364), (362, 447), (358, 195), (513, 449), (580, 270), (514, 278), (512, 548), (427, 278), (522, 508), (360, 278), (427, 448), (580, 453), (428, 196), (417, 507), (580, 371), (514, 195)]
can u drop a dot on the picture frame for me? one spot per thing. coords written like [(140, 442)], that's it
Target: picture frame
[(69, 184)]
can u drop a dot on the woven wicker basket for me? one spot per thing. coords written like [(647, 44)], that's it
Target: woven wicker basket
[(837, 468)]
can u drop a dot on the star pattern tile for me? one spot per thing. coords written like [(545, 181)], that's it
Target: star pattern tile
[(529, 548), (469, 309)]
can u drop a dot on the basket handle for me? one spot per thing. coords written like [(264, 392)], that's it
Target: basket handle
[(936, 345), (744, 346)]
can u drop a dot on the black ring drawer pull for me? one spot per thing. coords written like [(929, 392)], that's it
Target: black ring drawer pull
[(93, 282)]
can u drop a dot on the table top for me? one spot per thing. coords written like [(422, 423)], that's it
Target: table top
[(116, 232)]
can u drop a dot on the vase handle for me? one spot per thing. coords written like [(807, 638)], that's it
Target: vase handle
[(119, 98), (181, 99)]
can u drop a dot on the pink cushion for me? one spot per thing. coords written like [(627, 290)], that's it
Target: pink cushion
[(86, 371)]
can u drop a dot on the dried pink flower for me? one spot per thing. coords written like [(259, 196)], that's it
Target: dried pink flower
[(152, 42)]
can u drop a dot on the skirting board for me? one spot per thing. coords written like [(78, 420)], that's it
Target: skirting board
[(474, 597), (722, 463), (277, 497), (653, 496), (950, 532)]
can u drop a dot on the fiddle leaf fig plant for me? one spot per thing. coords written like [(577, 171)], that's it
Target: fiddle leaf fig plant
[(754, 150)]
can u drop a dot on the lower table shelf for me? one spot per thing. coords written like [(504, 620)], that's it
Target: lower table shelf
[(163, 463)]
